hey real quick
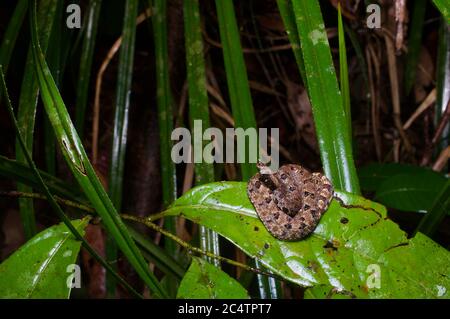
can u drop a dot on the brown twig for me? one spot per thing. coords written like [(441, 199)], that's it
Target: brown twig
[(429, 100), (192, 249), (393, 77), (98, 85), (442, 160), (145, 221), (372, 63), (400, 19), (437, 135)]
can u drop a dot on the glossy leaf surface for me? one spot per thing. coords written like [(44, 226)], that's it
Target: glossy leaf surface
[(347, 245), (205, 281), (41, 267)]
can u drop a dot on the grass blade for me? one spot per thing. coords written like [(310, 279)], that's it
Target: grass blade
[(359, 56), (69, 194), (287, 14), (236, 72), (199, 108), (432, 220), (444, 7), (443, 81), (165, 111), (11, 33), (241, 101), (54, 58), (414, 43), (121, 111), (343, 71), (49, 195), (329, 114), (27, 109), (157, 255), (20, 172), (87, 54), (122, 103), (76, 158)]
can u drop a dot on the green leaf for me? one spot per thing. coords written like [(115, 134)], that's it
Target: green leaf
[(11, 33), (440, 208), (78, 162), (442, 80), (122, 103), (237, 80), (346, 242), (87, 55), (49, 195), (20, 172), (39, 269), (330, 117), (414, 192), (241, 102), (120, 131), (26, 113), (287, 14), (414, 43), (402, 186), (165, 109), (325, 292), (444, 8), (198, 106), (343, 71), (205, 281), (373, 175)]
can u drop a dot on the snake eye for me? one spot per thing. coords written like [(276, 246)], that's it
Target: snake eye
[(283, 176)]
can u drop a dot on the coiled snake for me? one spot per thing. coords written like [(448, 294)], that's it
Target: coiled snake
[(290, 201)]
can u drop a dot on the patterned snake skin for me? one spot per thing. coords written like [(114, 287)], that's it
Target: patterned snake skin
[(290, 201)]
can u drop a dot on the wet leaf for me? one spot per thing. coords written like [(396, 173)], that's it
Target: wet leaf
[(401, 186), (342, 253), (414, 192), (39, 269), (205, 281), (372, 176)]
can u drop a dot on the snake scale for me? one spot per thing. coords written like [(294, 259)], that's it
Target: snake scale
[(290, 201)]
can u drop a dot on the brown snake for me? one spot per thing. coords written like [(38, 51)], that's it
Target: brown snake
[(290, 201)]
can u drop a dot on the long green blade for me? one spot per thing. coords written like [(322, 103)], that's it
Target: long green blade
[(343, 71), (51, 199), (198, 108), (165, 110), (87, 54), (11, 33), (241, 101), (329, 114), (27, 109), (77, 160)]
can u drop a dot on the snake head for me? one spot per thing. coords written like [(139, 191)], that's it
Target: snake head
[(267, 176), (264, 169)]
